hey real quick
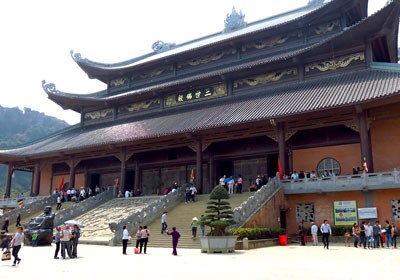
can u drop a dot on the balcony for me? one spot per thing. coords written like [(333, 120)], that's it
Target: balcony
[(362, 182)]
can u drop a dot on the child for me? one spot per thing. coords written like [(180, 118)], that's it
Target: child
[(5, 243), (347, 239), (194, 227), (34, 239)]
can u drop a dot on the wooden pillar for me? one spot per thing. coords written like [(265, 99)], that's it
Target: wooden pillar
[(10, 172), (36, 179), (211, 165), (123, 175), (365, 141), (282, 147), (137, 176), (199, 165), (72, 163)]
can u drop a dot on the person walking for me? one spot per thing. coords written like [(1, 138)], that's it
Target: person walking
[(202, 226), (394, 235), (144, 239), (388, 230), (58, 202), (6, 222), (239, 184), (363, 235), (18, 223), (175, 238), (314, 233), (125, 238), (57, 241), (302, 234), (138, 236), (16, 244), (194, 227), (65, 239), (164, 225), (356, 234), (326, 232), (76, 234), (376, 232)]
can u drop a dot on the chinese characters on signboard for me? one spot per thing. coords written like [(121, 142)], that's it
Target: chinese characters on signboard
[(195, 95)]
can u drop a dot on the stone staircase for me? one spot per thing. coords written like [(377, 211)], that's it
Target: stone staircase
[(181, 218), (96, 221)]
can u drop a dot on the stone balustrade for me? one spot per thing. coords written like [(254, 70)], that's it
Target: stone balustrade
[(361, 182), (7, 203), (248, 208), (31, 206), (148, 213)]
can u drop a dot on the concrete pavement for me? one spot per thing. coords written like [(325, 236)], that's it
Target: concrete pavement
[(281, 262)]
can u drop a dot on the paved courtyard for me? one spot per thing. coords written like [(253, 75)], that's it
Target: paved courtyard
[(286, 262)]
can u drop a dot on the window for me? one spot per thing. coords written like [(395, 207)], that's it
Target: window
[(330, 165)]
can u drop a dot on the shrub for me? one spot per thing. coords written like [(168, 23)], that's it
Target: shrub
[(219, 213), (257, 233)]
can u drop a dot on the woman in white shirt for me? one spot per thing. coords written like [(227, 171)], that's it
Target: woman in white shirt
[(125, 238), (16, 244)]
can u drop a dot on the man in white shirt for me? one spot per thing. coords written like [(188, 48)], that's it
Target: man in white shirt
[(125, 238), (65, 239), (314, 233), (326, 232), (164, 225)]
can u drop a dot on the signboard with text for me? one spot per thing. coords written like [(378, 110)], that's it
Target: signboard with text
[(368, 213), (345, 212)]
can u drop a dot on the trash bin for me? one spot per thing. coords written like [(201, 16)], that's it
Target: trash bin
[(283, 239)]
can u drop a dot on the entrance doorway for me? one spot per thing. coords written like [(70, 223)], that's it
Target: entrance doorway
[(94, 181), (272, 165), (282, 218), (130, 180), (225, 167)]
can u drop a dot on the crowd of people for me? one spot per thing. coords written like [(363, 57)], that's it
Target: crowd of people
[(367, 236)]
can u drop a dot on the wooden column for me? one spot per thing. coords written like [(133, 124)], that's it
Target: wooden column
[(282, 147), (10, 172), (137, 176), (72, 163), (365, 141), (36, 179), (211, 164), (122, 176), (199, 166)]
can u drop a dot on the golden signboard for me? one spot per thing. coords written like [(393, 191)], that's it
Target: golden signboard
[(195, 95)]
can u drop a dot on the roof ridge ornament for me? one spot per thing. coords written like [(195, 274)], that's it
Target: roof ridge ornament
[(76, 56), (160, 46), (234, 21), (315, 3), (50, 88)]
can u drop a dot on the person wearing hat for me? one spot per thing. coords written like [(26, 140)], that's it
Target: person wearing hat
[(314, 233), (194, 227)]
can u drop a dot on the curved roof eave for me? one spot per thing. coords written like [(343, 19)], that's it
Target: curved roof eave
[(97, 69)]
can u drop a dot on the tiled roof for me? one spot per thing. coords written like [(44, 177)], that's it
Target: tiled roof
[(340, 90)]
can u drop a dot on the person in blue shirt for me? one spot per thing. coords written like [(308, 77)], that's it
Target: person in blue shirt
[(57, 241), (326, 232)]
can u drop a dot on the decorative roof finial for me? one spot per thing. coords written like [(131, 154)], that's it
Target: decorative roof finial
[(160, 46), (315, 3), (75, 56), (234, 21), (49, 88)]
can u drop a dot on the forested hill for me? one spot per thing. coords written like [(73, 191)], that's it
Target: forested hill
[(18, 127)]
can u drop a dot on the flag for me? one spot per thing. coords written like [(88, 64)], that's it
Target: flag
[(192, 174), (365, 165), (61, 184), (116, 181), (280, 169), (20, 202)]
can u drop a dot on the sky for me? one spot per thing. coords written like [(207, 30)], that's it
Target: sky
[(37, 36)]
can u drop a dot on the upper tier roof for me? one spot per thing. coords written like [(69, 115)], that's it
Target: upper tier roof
[(343, 39), (340, 90), (316, 9)]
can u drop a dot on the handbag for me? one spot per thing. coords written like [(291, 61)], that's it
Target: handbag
[(6, 256)]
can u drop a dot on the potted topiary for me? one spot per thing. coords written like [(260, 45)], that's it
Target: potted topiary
[(218, 217)]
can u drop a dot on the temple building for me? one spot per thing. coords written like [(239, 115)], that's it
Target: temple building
[(315, 89)]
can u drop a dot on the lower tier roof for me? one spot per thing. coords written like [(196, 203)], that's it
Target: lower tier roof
[(381, 80)]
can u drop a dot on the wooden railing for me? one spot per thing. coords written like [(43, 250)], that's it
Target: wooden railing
[(361, 182)]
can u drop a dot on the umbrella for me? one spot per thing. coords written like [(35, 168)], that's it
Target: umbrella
[(227, 179), (74, 222)]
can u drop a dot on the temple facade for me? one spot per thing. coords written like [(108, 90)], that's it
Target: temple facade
[(316, 88)]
